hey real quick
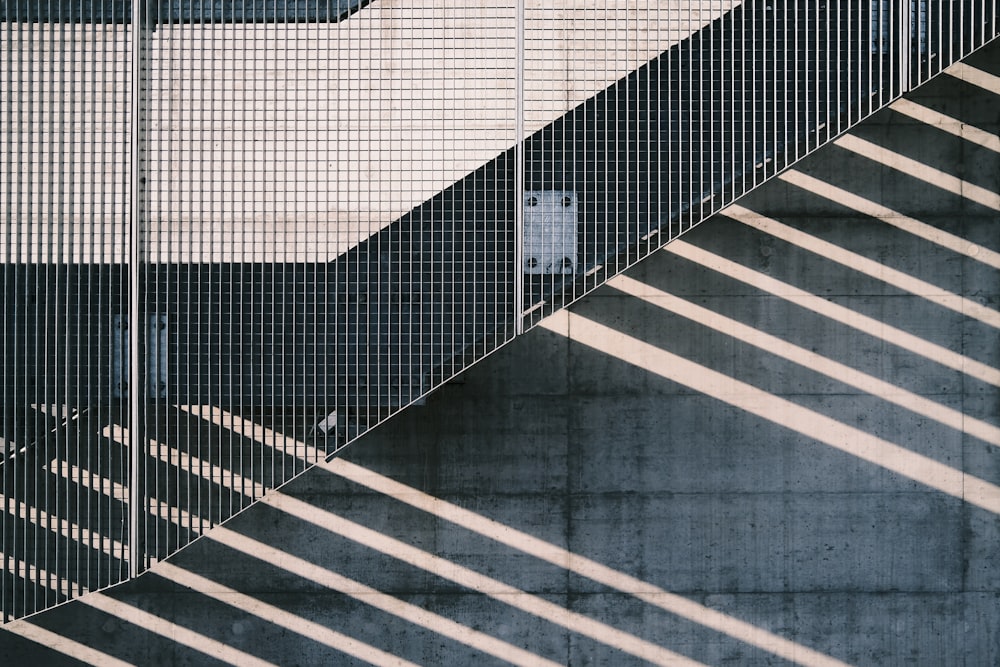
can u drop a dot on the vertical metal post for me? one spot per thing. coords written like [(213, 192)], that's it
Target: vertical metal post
[(519, 173), (905, 46), (136, 379)]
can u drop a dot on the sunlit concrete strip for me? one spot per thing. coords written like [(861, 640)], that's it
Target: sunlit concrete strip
[(946, 123), (117, 491), (194, 465), (533, 546), (838, 313), (271, 614), (852, 260), (816, 362), (206, 470), (913, 226), (975, 76), (919, 170), (783, 412), (258, 433), (89, 480), (161, 510), (463, 576), (43, 578), (172, 631), (179, 517), (411, 613), (64, 645), (66, 528)]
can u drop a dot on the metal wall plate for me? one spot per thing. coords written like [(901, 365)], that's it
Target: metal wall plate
[(550, 232)]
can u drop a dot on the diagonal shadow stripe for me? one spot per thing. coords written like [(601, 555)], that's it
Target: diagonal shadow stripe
[(581, 565), (272, 614), (493, 588), (56, 583), (501, 533), (808, 359), (932, 117), (838, 313), (174, 632), (856, 262), (970, 74), (783, 412), (284, 560), (59, 642), (929, 175), (367, 595), (906, 223)]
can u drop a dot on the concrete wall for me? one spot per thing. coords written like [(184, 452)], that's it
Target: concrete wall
[(777, 442)]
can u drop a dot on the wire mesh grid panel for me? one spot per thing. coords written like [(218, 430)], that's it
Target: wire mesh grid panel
[(645, 118), (65, 196), (704, 102), (310, 267), (299, 217)]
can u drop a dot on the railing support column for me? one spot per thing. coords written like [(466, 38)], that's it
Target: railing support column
[(519, 173), (136, 257)]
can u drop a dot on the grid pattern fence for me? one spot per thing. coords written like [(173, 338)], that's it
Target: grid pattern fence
[(237, 235)]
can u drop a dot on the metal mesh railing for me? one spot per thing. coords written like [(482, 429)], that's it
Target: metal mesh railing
[(238, 235)]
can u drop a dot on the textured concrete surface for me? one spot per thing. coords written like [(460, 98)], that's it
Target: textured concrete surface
[(813, 480)]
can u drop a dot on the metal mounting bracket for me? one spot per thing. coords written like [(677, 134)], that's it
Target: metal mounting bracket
[(156, 356)]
